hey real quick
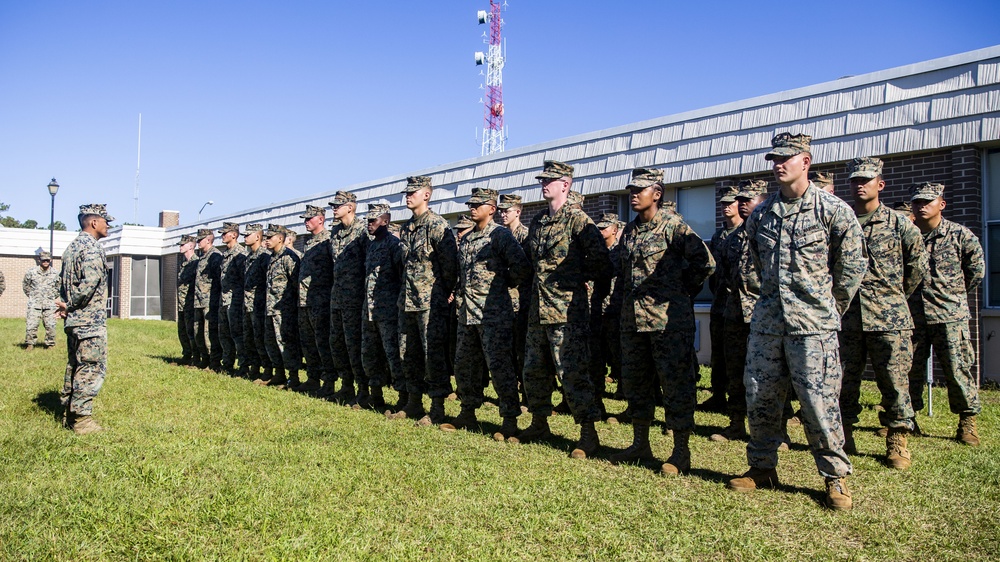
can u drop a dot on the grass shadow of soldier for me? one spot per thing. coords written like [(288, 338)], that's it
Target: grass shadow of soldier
[(48, 401)]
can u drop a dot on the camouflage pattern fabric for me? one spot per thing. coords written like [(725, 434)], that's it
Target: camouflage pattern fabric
[(660, 358), (255, 305), (380, 329), (207, 296), (955, 268), (718, 283), (735, 339), (315, 284), (955, 353), (605, 321), (231, 272), (809, 365), (490, 341), (429, 258), (520, 234), (44, 316), (560, 349), (423, 349), (3, 283), (42, 288), (186, 272), (348, 246), (744, 281), (316, 271), (84, 289), (231, 304), (281, 339), (281, 326), (187, 345), (891, 356)]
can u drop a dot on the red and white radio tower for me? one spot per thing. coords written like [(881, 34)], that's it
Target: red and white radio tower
[(494, 134)]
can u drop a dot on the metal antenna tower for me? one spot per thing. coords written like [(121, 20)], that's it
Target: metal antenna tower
[(494, 134)]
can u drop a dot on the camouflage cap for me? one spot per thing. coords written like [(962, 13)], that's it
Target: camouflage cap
[(289, 233), (416, 183), (313, 211), (508, 200), (669, 205), (187, 239), (203, 232), (821, 179), (574, 198), (229, 227), (728, 194), (867, 167), (787, 144), (273, 229), (748, 189), (482, 195), (903, 206), (645, 177), (251, 228), (926, 191), (464, 222), (99, 209), (343, 198), (608, 219), (376, 210), (44, 256), (553, 169)]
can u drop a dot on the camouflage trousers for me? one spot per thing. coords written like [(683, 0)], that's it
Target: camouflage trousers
[(380, 352), (605, 352), (206, 335), (254, 340), (809, 364), (954, 352), (735, 341), (87, 364), (231, 334), (664, 359), (281, 337), (423, 349), (314, 337), (520, 333), (720, 373), (345, 345), (45, 316), (187, 347), (561, 349), (891, 357), (492, 342), (189, 327)]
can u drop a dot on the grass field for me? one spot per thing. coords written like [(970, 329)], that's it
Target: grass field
[(196, 465)]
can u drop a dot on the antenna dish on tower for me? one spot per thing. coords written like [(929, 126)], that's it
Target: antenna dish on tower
[(494, 131)]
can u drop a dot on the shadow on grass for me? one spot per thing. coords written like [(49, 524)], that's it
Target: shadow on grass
[(48, 402), (168, 360)]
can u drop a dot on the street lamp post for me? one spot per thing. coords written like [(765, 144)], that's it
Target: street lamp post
[(53, 188), (207, 203)]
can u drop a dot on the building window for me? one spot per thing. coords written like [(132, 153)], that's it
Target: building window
[(992, 218), (145, 295)]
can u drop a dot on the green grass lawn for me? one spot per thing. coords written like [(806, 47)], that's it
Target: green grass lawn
[(196, 465)]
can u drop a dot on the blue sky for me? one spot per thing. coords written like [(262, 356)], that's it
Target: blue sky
[(247, 103)]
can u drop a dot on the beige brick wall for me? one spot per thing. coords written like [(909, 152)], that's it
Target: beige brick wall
[(13, 302), (125, 287)]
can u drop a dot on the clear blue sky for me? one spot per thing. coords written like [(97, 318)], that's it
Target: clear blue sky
[(247, 103)]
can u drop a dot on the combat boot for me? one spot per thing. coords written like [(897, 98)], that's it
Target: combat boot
[(588, 443), (413, 410), (363, 399), (562, 407), (717, 404), (754, 479), (849, 446), (293, 382), (896, 454), (401, 402), (639, 450), (736, 431), (507, 430), (243, 372), (465, 419), (680, 459), (29, 346), (838, 497), (311, 385), (184, 360), (376, 399), (966, 432), (278, 379), (537, 431), (436, 416), (83, 425), (786, 440), (345, 395)]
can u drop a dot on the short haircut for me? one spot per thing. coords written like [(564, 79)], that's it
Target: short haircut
[(85, 218)]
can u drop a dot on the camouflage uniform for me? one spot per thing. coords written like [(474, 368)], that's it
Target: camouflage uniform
[(605, 321), (429, 262), (810, 255), (207, 297), (940, 308), (281, 330), (663, 264), (315, 284), (255, 303), (878, 323), (719, 286), (84, 289), (566, 250), (520, 312), (348, 245), (3, 284), (490, 262), (186, 272), (42, 288), (231, 301), (380, 327)]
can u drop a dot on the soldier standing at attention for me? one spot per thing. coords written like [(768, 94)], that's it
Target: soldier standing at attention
[(83, 303), (605, 310), (290, 237), (664, 264), (255, 302), (490, 262), (281, 328), (510, 212), (231, 301), (186, 272), (380, 325), (744, 290), (566, 249), (315, 283), (940, 308), (808, 247), (348, 244), (207, 297), (878, 322), (822, 180), (41, 285), (429, 262), (719, 285)]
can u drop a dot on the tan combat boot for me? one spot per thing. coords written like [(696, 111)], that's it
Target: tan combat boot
[(896, 454), (754, 479), (588, 443), (680, 459), (736, 431), (639, 450), (83, 425), (537, 431), (838, 497), (413, 410), (507, 430), (966, 432), (465, 419)]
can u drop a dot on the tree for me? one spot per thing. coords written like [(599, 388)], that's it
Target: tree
[(30, 223), (58, 225)]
